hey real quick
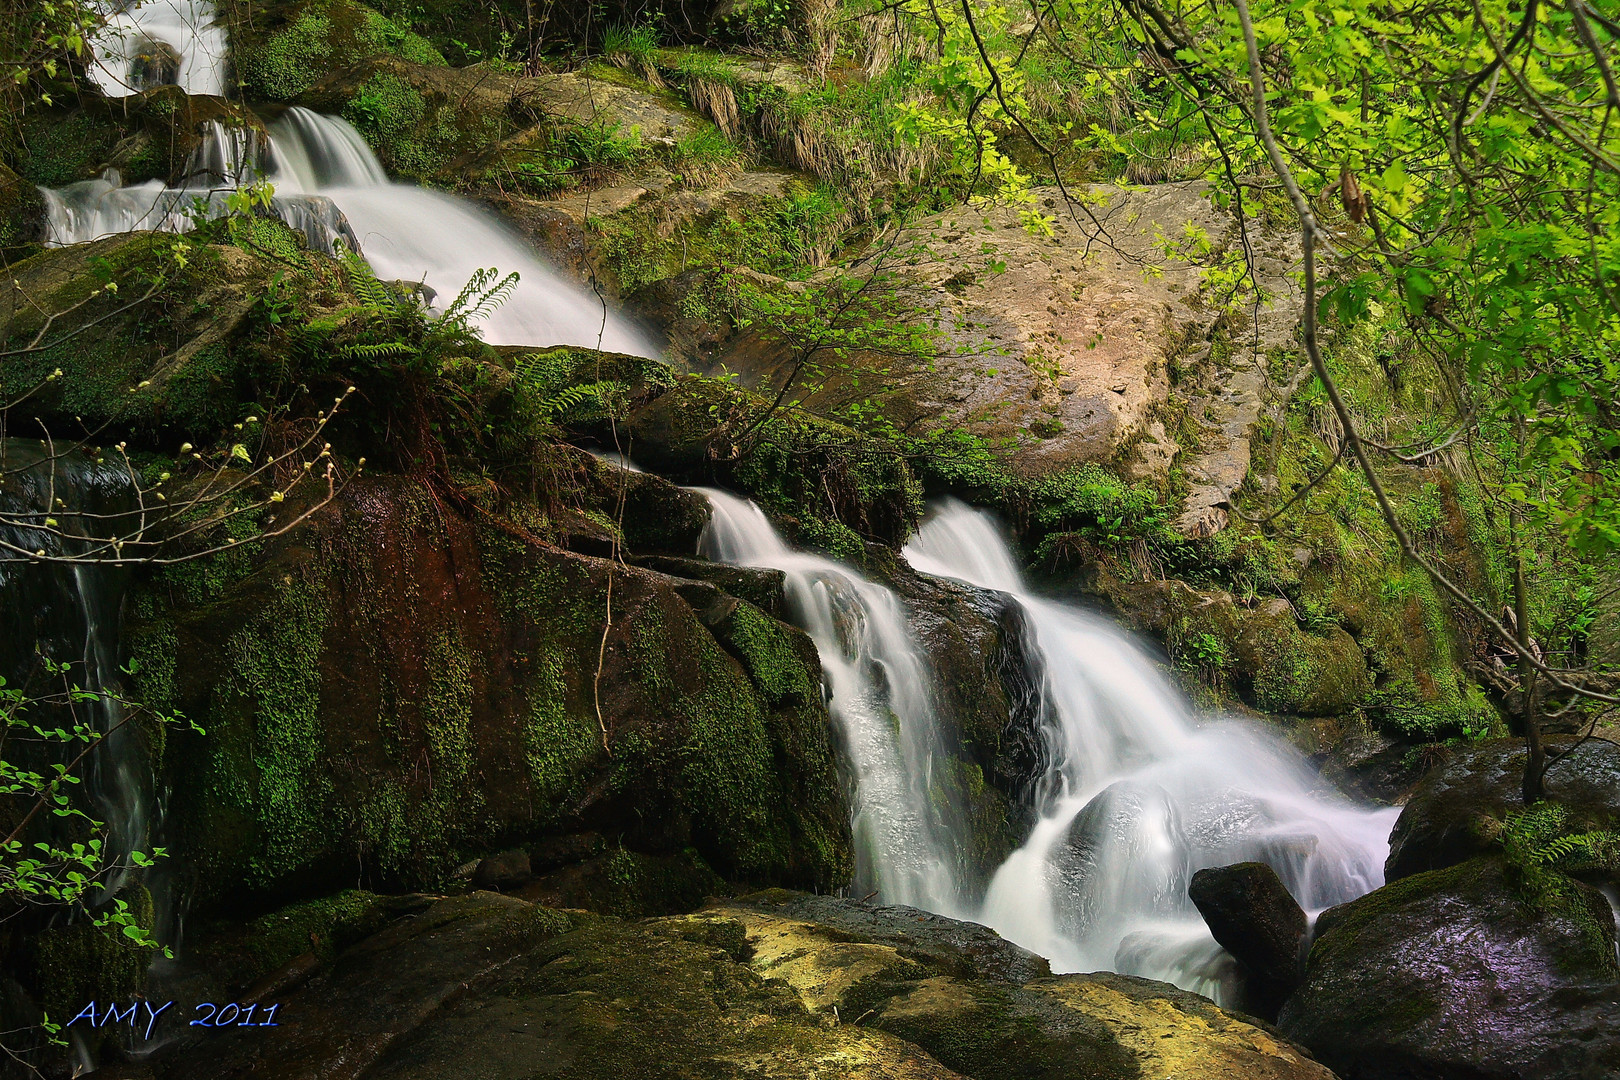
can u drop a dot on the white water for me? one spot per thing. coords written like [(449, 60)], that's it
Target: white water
[(880, 701), (328, 185), (1140, 795), (139, 44)]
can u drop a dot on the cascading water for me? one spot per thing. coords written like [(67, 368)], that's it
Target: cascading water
[(1138, 796), (159, 43), (879, 699), (329, 186), (69, 613)]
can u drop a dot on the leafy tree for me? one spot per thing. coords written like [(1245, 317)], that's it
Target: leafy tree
[(1455, 167)]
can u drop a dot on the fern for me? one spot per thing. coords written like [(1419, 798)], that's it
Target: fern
[(1538, 837), (373, 294), (381, 350), (478, 298), (601, 393)]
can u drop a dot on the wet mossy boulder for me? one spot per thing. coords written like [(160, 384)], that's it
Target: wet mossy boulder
[(486, 985), (283, 49), (987, 1008), (1459, 808), (1261, 652), (1477, 970), (1253, 916), (399, 688)]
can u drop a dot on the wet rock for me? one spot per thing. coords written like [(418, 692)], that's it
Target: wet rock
[(491, 986), (503, 870), (1251, 913), (987, 1009), (1457, 811), (1471, 971), (989, 676), (1374, 766), (961, 948)]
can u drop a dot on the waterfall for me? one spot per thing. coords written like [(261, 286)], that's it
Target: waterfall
[(1139, 794), (70, 613), (328, 185), (880, 701), (159, 43)]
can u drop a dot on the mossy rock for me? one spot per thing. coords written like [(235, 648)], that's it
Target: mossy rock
[(580, 996), (146, 136), (1261, 652), (400, 689), (988, 1009), (1458, 809), (22, 215), (184, 357), (1473, 970), (629, 884), (306, 39), (66, 967), (728, 991)]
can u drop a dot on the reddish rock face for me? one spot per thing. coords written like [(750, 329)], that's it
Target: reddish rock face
[(403, 688)]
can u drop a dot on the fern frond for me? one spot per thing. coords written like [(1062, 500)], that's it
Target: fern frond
[(566, 400), (367, 286), (377, 350)]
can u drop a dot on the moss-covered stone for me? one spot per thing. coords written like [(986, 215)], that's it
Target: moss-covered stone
[(67, 967), (317, 36), (399, 690), (1269, 659), (1462, 972), (1459, 808)]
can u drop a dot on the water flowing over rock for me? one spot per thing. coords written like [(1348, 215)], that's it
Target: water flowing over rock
[(158, 43), (328, 186), (67, 506), (881, 701), (1137, 797)]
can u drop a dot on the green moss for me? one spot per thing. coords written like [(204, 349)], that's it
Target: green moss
[(768, 653), (81, 962), (324, 35), (267, 775)]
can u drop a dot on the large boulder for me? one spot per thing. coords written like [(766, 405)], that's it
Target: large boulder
[(1457, 811), (1254, 917), (777, 985), (397, 688), (1477, 971), (492, 986), (988, 1009)]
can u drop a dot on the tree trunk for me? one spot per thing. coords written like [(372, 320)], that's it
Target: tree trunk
[(1536, 766)]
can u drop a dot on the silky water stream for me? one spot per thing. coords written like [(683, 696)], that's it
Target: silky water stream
[(1138, 792)]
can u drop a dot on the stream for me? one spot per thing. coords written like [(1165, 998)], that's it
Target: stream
[(1140, 792)]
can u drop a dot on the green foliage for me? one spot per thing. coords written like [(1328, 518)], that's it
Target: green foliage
[(56, 858), (1539, 836), (325, 35), (411, 134)]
